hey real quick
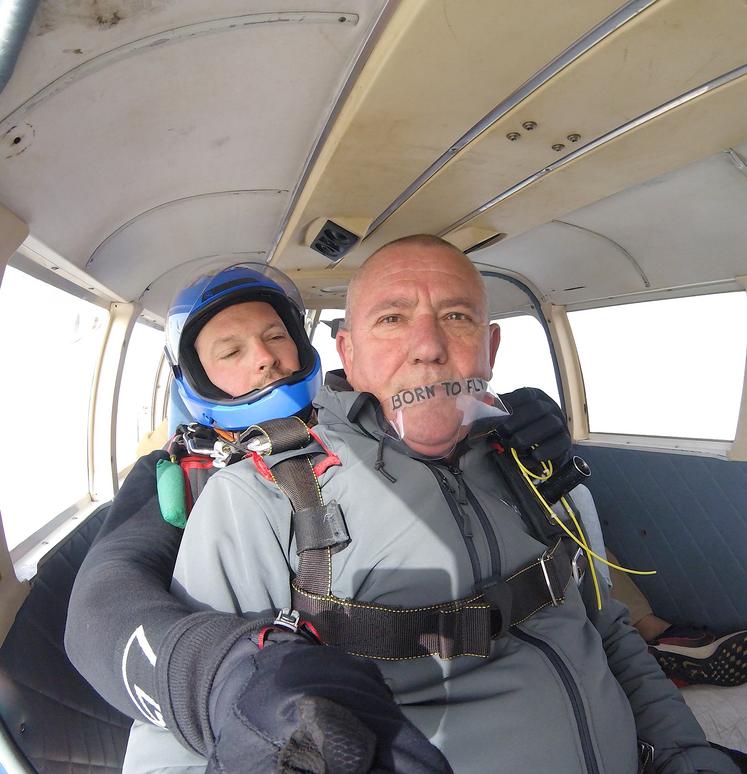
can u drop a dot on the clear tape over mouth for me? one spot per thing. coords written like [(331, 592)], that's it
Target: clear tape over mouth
[(432, 418)]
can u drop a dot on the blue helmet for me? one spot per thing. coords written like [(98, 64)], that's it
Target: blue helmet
[(203, 299)]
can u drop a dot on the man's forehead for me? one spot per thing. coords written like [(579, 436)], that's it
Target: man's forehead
[(411, 263), (250, 314), (407, 279)]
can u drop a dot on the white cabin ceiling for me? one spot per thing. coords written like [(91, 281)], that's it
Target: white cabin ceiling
[(169, 131), (686, 227)]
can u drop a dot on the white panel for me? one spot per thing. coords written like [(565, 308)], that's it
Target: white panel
[(686, 227), (232, 109), (185, 230), (564, 263)]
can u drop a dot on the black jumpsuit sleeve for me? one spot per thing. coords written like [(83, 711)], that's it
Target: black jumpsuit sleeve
[(127, 635)]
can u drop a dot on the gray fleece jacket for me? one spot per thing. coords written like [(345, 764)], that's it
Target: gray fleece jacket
[(558, 693)]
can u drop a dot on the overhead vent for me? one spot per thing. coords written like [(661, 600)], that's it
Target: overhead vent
[(333, 241)]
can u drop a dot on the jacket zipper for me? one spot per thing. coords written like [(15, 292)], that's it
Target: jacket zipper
[(495, 557), (573, 694), (462, 519)]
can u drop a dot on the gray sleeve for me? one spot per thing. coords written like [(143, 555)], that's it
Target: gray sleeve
[(661, 715), (235, 553)]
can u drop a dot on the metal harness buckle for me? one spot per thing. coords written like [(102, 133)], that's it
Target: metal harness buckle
[(578, 573), (543, 560), (288, 619), (645, 757)]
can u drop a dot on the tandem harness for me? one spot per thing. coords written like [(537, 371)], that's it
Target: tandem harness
[(462, 627)]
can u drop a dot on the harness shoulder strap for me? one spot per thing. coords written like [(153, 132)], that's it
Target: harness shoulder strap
[(320, 529)]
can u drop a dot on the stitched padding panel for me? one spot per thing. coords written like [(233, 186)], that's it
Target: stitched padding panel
[(685, 517), (54, 716)]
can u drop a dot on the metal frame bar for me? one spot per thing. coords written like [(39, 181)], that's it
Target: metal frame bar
[(107, 382), (644, 118), (582, 46)]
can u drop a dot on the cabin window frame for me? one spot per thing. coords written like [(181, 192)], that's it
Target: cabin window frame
[(735, 449), (538, 313)]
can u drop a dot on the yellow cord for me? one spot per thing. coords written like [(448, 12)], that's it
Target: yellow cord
[(530, 479), (585, 546)]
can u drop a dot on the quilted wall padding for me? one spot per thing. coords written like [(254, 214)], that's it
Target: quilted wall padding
[(685, 517), (54, 716)]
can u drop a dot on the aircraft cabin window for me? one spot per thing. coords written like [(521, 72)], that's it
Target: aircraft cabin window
[(136, 393), (49, 346), (323, 342), (524, 358), (673, 367)]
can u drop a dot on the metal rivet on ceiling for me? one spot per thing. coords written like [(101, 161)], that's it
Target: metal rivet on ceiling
[(558, 146), (529, 125), (575, 137), (513, 136)]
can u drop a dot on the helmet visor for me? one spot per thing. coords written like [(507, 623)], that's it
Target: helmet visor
[(219, 285)]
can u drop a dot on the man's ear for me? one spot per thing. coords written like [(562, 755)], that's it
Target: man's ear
[(344, 345), (495, 340)]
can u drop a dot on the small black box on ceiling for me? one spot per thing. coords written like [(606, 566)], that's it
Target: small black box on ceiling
[(333, 241)]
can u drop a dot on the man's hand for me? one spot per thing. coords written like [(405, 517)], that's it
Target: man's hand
[(536, 429), (298, 707)]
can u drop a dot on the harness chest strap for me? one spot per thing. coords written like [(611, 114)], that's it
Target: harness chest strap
[(449, 629), (463, 627)]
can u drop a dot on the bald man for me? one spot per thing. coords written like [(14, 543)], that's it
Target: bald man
[(438, 576)]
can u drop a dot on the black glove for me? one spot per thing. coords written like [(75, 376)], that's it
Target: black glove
[(298, 707), (536, 429)]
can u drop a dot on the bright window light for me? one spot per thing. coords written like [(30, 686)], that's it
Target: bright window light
[(49, 346), (323, 342), (524, 358), (665, 368)]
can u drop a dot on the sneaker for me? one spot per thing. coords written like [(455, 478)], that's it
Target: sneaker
[(685, 637), (721, 661)]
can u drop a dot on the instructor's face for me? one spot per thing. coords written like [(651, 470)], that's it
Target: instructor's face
[(417, 317), (246, 347)]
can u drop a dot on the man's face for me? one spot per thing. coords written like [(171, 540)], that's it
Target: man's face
[(418, 317), (246, 347)]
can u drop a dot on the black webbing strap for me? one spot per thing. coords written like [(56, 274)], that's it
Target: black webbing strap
[(295, 476), (318, 529), (283, 434), (464, 627)]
